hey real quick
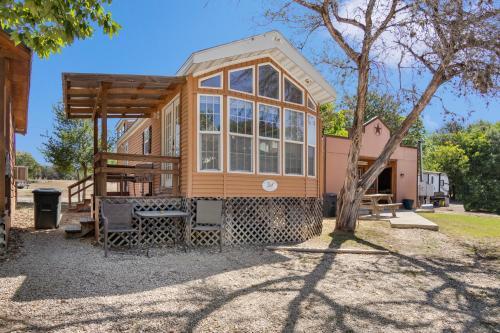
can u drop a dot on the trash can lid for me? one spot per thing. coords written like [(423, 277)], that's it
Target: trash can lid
[(47, 190)]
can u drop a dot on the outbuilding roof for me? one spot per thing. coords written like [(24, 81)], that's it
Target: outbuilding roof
[(271, 44)]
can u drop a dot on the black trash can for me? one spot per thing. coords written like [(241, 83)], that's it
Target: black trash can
[(330, 205), (408, 204), (47, 208)]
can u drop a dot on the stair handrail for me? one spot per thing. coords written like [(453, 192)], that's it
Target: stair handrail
[(79, 189)]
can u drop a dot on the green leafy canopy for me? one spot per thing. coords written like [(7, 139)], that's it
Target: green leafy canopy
[(27, 160), (471, 158), (48, 25)]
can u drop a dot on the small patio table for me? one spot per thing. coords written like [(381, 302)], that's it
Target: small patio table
[(176, 215)]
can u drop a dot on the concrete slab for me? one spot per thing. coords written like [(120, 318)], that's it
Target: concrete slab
[(405, 219)]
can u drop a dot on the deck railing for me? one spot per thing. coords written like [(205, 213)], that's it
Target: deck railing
[(136, 167)]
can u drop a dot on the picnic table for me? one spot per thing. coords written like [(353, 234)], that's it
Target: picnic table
[(371, 202)]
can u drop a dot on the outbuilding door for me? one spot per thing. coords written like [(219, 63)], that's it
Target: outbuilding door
[(170, 145)]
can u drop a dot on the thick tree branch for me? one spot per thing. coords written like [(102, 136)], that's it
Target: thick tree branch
[(313, 6), (324, 12), (372, 173)]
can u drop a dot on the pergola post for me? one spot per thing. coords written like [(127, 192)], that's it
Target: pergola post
[(104, 146), (96, 150), (3, 148)]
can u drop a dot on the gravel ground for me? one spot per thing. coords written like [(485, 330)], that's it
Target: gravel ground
[(51, 284)]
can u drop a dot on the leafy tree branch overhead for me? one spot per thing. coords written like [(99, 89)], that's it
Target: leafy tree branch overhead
[(47, 26), (437, 42)]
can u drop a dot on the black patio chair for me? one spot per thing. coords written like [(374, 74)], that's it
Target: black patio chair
[(117, 218), (208, 218)]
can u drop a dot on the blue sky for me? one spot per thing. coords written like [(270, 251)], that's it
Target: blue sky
[(157, 36)]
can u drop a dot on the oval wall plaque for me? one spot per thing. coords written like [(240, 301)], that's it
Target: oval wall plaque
[(269, 185)]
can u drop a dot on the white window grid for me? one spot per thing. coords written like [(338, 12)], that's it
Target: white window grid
[(270, 138), (219, 132), (285, 140), (230, 133), (309, 144)]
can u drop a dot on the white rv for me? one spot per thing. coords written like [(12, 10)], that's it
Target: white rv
[(433, 187)]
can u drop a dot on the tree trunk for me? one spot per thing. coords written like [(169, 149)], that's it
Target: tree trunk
[(349, 200), (355, 187)]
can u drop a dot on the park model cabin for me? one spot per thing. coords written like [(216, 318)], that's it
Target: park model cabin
[(238, 122), (15, 72), (399, 176)]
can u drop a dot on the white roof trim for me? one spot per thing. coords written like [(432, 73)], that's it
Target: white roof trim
[(266, 43)]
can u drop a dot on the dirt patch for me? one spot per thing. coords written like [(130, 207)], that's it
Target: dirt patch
[(428, 284)]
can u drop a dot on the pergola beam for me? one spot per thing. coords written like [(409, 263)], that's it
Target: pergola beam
[(128, 96)]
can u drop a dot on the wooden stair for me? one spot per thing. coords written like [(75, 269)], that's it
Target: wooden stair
[(83, 206), (86, 227)]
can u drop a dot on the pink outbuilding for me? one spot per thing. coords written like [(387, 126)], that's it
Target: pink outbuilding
[(400, 175)]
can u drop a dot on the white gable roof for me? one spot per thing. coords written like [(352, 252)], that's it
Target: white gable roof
[(270, 44)]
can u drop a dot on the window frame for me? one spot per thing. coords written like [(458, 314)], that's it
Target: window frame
[(280, 75), (228, 135), (199, 133), (239, 69), (295, 83), (279, 140), (149, 130), (315, 146), (303, 143), (312, 101), (203, 78)]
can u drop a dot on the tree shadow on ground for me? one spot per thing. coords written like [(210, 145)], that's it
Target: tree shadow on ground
[(53, 267), (475, 310)]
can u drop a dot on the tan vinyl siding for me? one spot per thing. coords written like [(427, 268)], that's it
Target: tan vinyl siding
[(186, 93), (224, 184)]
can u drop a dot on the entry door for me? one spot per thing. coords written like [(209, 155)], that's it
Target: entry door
[(171, 136)]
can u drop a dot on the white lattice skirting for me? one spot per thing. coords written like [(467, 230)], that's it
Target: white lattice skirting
[(246, 220)]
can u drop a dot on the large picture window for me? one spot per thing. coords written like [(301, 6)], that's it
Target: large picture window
[(240, 135), (241, 80), (311, 146), (294, 142), (209, 133), (269, 81), (269, 139), (292, 93)]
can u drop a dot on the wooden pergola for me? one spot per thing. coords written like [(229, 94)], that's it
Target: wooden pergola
[(94, 96)]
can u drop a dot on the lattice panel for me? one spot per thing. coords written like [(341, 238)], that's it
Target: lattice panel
[(3, 237), (154, 231), (264, 221), (246, 221)]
